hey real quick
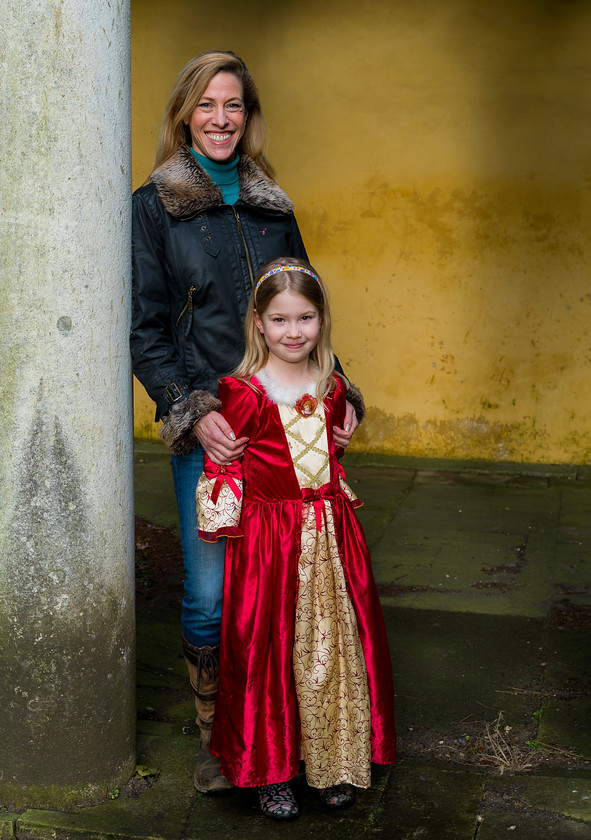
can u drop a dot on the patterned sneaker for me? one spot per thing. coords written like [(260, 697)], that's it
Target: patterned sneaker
[(278, 802), (337, 796)]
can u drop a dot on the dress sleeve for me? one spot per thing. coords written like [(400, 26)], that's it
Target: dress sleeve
[(338, 398), (220, 488), (219, 501), (353, 498)]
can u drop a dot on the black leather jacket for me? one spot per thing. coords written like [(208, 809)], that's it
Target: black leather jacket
[(194, 259)]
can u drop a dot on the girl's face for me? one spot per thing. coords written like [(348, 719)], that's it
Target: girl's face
[(291, 327)]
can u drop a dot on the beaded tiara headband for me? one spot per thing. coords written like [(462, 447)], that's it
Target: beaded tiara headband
[(284, 268)]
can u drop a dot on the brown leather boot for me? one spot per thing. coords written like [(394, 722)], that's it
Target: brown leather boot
[(203, 666)]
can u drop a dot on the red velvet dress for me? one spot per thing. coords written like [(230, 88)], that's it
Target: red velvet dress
[(305, 671)]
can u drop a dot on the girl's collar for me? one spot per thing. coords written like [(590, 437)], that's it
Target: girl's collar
[(285, 394)]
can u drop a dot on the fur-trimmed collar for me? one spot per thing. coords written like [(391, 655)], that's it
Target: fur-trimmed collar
[(284, 394), (185, 189)]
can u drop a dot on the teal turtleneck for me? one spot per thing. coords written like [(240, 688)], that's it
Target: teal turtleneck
[(224, 175)]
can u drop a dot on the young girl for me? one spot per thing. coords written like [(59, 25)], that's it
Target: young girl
[(305, 671)]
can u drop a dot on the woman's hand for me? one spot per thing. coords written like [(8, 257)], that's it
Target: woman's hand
[(218, 440), (342, 437)]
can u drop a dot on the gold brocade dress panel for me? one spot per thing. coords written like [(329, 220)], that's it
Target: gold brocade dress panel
[(329, 667)]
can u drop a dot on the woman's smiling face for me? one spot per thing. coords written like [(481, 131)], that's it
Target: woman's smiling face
[(219, 120)]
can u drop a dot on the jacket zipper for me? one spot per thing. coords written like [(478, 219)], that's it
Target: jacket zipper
[(241, 232), (188, 306)]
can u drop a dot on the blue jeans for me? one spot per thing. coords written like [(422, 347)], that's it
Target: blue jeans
[(204, 562)]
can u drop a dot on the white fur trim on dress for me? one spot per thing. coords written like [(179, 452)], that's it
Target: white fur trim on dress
[(285, 394)]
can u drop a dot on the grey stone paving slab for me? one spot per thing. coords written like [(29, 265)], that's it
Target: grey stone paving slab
[(430, 498), (434, 602), (383, 488), (446, 559), (159, 642), (464, 573), (569, 662), (561, 472), (566, 723), (500, 824), (489, 602), (577, 497), (374, 523), (476, 519), (566, 709), (162, 682), (575, 516), (154, 491), (160, 813), (450, 666), (561, 792), (571, 567), (532, 590), (529, 481), (443, 477), (427, 802)]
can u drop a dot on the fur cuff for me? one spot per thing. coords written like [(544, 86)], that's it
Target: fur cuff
[(177, 427), (355, 397)]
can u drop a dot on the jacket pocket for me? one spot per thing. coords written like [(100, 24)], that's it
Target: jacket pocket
[(186, 314)]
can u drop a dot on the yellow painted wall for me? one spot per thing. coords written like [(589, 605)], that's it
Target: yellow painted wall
[(438, 153)]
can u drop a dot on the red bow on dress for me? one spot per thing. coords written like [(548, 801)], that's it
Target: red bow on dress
[(316, 497), (224, 475)]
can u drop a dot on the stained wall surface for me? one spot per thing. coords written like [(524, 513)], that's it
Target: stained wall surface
[(438, 155)]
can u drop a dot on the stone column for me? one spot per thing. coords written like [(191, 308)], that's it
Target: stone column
[(67, 717)]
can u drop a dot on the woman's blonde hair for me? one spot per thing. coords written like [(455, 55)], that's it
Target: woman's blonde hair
[(191, 84), (310, 287)]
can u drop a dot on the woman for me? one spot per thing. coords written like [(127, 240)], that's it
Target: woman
[(210, 217)]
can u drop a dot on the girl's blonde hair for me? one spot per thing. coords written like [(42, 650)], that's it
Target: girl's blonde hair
[(190, 85), (311, 288)]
